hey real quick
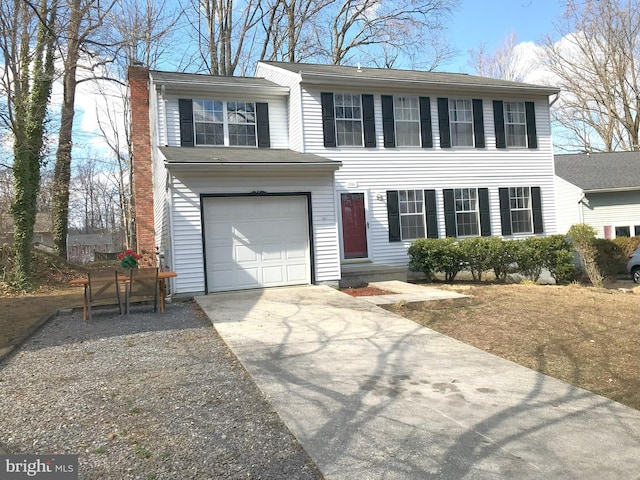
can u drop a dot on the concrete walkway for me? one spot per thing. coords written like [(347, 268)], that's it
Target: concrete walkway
[(371, 395)]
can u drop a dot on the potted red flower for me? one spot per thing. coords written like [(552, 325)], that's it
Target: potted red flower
[(129, 259)]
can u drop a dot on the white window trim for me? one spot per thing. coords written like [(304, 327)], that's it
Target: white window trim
[(396, 121), (422, 214), (476, 211), (529, 209), (225, 124), (354, 120), (507, 123), (451, 122)]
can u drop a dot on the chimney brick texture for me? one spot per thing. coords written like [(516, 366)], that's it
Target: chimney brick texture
[(142, 164)]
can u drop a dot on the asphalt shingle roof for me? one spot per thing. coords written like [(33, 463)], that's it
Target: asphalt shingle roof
[(415, 76), (174, 78), (600, 171), (238, 155)]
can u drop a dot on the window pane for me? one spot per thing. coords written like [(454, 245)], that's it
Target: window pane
[(348, 116), (411, 214), (461, 121), (636, 230), (467, 224), (349, 132), (209, 134), (520, 205), (623, 231), (242, 135), (521, 221), (515, 122)]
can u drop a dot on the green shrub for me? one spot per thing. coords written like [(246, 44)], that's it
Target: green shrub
[(503, 257), (627, 245), (610, 257), (431, 255), (557, 257), (477, 253), (530, 258), (582, 237)]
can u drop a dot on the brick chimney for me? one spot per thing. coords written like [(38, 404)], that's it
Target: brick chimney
[(142, 164)]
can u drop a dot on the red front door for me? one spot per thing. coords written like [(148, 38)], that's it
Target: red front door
[(354, 225)]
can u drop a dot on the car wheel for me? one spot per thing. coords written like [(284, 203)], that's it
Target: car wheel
[(635, 274)]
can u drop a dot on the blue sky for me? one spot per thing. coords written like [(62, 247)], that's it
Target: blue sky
[(489, 21)]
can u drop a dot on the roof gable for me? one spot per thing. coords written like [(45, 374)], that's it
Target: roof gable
[(600, 171)]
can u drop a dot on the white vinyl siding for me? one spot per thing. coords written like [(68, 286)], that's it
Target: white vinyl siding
[(377, 170), (187, 243)]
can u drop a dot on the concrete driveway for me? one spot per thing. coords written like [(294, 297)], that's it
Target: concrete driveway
[(371, 395)]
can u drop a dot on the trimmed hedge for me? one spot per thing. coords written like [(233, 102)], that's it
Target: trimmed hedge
[(481, 254)]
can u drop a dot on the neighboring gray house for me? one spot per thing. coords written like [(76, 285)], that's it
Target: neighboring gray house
[(304, 172), (599, 189), (41, 230)]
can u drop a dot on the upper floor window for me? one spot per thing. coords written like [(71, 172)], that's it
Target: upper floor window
[(348, 115), (467, 213), (226, 123), (411, 203), (461, 121), (407, 121), (520, 206), (515, 124)]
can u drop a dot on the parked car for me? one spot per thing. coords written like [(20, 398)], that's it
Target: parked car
[(633, 265)]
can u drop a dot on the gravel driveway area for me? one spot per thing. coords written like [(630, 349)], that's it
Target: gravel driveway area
[(149, 397)]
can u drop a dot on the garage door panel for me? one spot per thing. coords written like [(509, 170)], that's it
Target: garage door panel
[(256, 242)]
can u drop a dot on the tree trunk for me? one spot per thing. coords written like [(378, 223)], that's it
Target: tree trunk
[(62, 173)]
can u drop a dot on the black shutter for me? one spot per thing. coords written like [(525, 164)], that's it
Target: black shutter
[(368, 121), (432, 213), (478, 123), (185, 109), (443, 123), (505, 211), (485, 216), (498, 122), (328, 120), (262, 125), (449, 212), (393, 215), (388, 123), (532, 134), (536, 208), (425, 122)]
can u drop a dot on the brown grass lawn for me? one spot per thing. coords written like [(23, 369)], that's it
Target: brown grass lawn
[(585, 336)]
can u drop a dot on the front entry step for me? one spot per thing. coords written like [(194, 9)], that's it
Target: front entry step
[(355, 275)]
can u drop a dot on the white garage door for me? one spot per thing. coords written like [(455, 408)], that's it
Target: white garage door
[(255, 242)]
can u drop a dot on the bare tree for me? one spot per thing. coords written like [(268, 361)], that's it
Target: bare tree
[(358, 26), (504, 62), (597, 63), (83, 19), (223, 29)]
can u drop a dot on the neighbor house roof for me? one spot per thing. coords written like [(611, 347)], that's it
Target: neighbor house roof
[(42, 225), (243, 157), (315, 73), (600, 171)]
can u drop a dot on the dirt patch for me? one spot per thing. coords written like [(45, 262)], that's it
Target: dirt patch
[(365, 291), (585, 336)]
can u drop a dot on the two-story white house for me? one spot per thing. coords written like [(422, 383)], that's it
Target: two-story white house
[(304, 171)]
